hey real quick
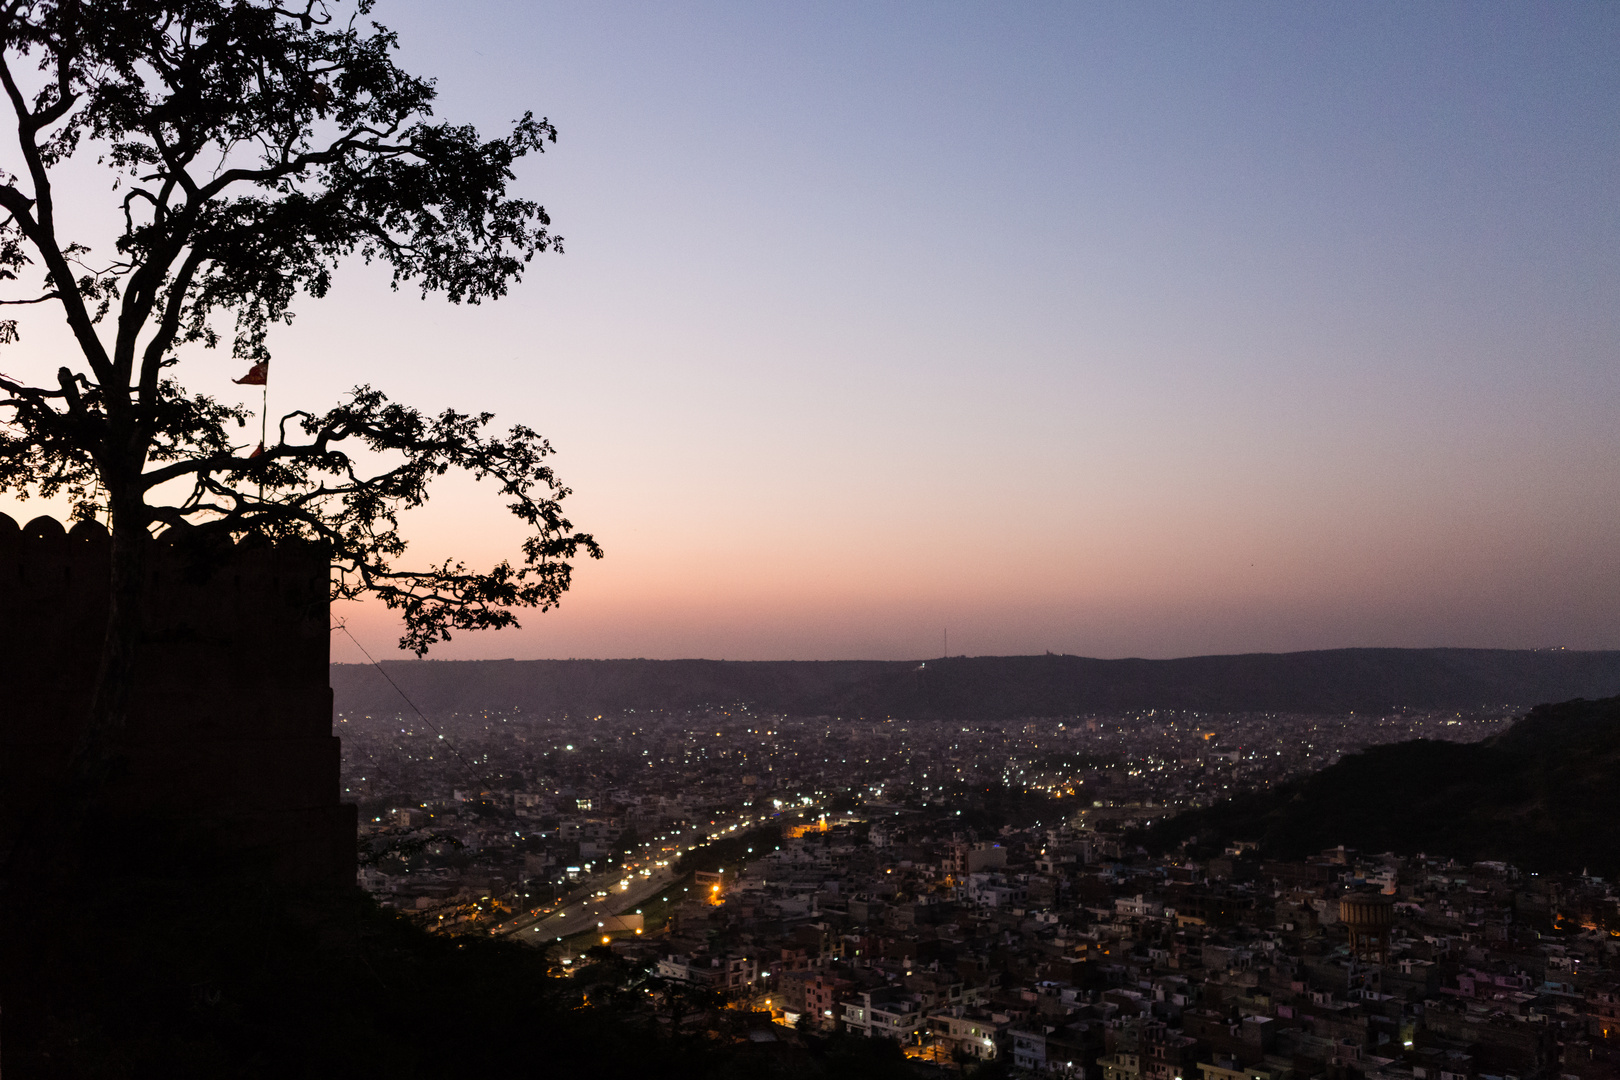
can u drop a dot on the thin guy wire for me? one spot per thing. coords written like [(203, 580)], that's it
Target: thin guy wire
[(483, 781)]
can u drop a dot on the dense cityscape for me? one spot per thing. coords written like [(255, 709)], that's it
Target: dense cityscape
[(547, 801), (972, 895)]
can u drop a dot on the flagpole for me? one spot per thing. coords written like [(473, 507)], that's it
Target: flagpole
[(259, 375), (264, 420)]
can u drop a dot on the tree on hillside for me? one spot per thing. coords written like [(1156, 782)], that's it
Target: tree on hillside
[(251, 148)]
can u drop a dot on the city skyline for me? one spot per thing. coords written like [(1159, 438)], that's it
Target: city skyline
[(1155, 332)]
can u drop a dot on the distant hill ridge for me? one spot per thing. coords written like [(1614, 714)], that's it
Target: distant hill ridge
[(1541, 795), (993, 687)]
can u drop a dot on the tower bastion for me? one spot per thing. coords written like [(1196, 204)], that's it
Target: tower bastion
[(228, 763)]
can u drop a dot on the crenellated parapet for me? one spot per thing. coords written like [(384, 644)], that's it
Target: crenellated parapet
[(229, 728)]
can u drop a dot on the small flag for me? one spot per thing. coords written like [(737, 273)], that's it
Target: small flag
[(258, 375)]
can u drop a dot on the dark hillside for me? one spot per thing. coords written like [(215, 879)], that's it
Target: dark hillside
[(1542, 795), (989, 687)]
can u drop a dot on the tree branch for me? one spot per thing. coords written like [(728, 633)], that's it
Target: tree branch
[(40, 229)]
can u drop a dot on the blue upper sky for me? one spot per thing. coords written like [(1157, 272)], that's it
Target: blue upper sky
[(1111, 329)]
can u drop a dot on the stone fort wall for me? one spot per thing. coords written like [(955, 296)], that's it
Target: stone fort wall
[(228, 762)]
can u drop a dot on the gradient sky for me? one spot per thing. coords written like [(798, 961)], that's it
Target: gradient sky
[(1106, 329)]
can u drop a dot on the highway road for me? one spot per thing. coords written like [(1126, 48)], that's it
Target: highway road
[(582, 915), (604, 896)]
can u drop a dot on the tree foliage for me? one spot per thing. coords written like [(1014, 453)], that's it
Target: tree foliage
[(253, 149)]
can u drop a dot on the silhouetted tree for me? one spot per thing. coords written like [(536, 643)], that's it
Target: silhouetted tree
[(251, 148)]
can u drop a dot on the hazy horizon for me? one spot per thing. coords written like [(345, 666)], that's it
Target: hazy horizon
[(1141, 330), (361, 661)]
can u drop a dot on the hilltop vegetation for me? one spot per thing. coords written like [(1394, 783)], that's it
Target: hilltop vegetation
[(1541, 795), (992, 687)]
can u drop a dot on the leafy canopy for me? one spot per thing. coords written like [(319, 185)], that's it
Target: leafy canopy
[(253, 148)]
